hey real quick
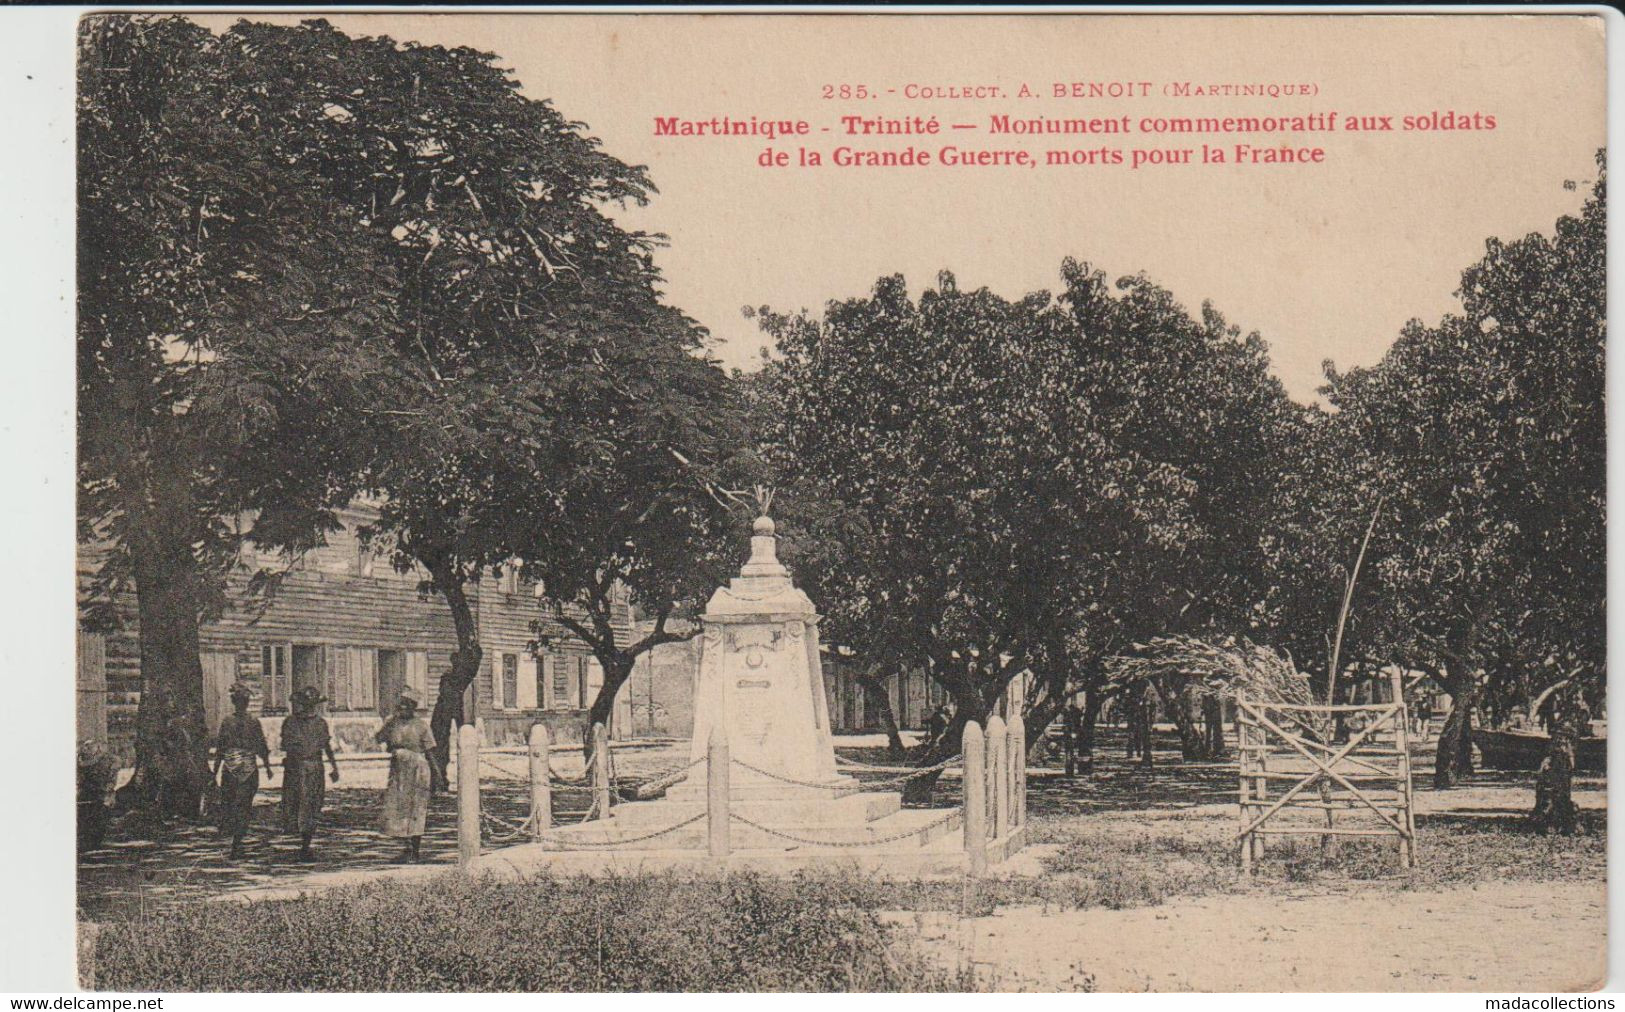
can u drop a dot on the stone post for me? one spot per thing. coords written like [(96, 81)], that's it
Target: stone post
[(998, 760), (468, 794), (1017, 753), (716, 793), (600, 770), (975, 790), (541, 787)]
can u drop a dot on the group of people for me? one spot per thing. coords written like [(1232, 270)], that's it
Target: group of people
[(240, 747)]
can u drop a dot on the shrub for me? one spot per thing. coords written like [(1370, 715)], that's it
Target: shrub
[(651, 933)]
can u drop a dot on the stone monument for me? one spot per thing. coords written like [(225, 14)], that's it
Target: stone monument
[(760, 681)]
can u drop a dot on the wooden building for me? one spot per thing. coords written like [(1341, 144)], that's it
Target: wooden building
[(344, 620)]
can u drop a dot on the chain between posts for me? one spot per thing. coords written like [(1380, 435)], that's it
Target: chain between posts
[(912, 771), (556, 784), (583, 845), (496, 823), (860, 785), (949, 816)]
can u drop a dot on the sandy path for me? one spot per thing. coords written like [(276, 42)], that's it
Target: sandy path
[(1526, 937)]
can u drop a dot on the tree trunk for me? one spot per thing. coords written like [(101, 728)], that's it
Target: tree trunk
[(888, 719), (172, 765), (1453, 758), (465, 663), (617, 669), (1092, 702), (1213, 718), (1555, 810), (1179, 705), (967, 707)]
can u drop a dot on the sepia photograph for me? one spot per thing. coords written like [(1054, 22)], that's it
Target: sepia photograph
[(847, 502)]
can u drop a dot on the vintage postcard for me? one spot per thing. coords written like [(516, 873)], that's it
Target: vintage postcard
[(856, 501)]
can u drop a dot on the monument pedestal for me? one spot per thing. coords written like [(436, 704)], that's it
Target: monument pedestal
[(761, 685)]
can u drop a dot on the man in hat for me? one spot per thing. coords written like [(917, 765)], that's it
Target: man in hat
[(305, 739), (238, 745)]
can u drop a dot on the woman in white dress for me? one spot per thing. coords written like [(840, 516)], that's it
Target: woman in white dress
[(406, 798)]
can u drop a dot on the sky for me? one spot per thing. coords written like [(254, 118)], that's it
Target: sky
[(1326, 260)]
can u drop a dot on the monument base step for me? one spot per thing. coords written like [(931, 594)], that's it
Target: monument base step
[(759, 826), (760, 788), (843, 810)]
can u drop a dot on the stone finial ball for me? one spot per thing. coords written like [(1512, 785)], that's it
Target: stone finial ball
[(763, 525)]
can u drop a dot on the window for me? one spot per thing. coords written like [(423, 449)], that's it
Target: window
[(307, 668), (508, 580), (530, 683), (365, 560), (391, 679), (417, 674), (275, 678), (510, 681), (563, 669)]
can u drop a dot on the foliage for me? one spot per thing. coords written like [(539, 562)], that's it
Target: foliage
[(1484, 438), (640, 521), (655, 933), (1227, 668), (981, 486), (227, 304), (523, 306)]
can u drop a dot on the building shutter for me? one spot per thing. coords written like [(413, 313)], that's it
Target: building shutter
[(363, 678), (338, 677), (219, 672), (495, 660), (527, 682), (92, 710), (417, 674), (561, 669)]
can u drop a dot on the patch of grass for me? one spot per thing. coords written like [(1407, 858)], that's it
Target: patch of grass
[(648, 933), (1453, 850)]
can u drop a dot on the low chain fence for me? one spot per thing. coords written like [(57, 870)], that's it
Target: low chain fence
[(992, 812)]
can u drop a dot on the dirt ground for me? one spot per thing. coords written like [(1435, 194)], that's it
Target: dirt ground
[(1536, 924), (1519, 937)]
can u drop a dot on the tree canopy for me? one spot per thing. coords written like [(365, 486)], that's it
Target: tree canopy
[(1012, 485)]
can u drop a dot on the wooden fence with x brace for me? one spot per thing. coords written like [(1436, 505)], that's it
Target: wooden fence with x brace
[(1286, 770)]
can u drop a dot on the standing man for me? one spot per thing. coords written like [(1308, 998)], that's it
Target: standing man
[(305, 739), (448, 712), (238, 746), (935, 725), (1072, 727)]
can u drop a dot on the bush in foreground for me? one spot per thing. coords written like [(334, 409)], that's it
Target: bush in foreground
[(652, 933)]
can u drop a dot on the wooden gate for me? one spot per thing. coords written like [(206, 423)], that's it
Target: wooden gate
[(1286, 771)]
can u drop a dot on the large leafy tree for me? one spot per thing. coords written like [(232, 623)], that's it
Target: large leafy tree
[(227, 304), (1195, 396), (639, 518), (523, 307), (1007, 486), (1483, 439)]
